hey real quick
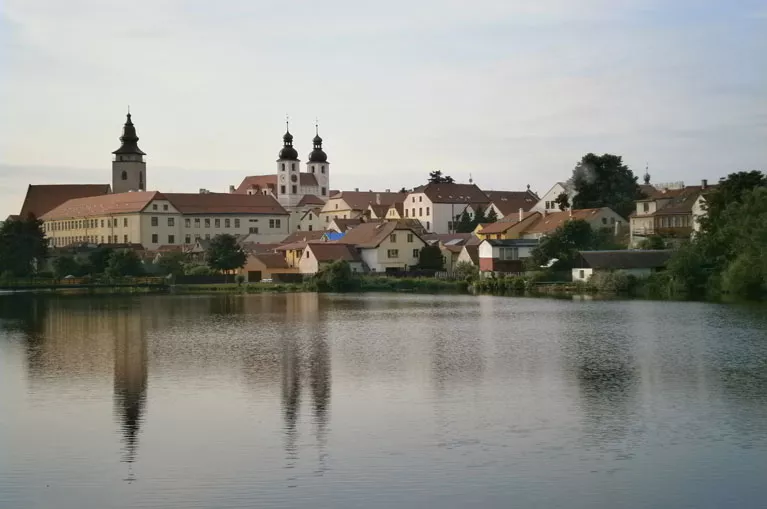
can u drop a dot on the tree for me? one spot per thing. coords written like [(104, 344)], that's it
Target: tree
[(652, 242), (403, 190), (66, 265), (492, 216), (224, 254), (336, 277), (430, 258), (479, 218), (124, 262), (436, 177), (22, 246), (99, 259), (730, 190), (465, 224), (563, 201), (466, 270), (172, 263), (565, 242), (604, 181)]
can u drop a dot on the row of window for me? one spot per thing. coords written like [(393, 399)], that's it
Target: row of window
[(93, 239), (552, 205), (674, 221), (394, 253), (393, 237), (420, 199), (293, 168), (227, 222), (164, 207), (79, 224), (420, 211)]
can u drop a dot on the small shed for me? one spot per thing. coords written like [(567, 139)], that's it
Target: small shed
[(640, 263)]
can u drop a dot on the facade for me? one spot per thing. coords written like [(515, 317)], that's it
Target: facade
[(509, 202), (438, 206), (548, 203), (637, 263), (673, 214), (317, 256), (355, 204), (128, 165), (504, 256), (154, 219), (385, 246), (261, 266)]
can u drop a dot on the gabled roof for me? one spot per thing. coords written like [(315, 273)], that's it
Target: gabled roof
[(329, 252), (225, 203), (121, 203), (256, 248), (454, 193), (371, 235), (553, 220), (511, 242), (359, 200), (445, 238), (511, 201), (44, 198), (473, 251), (303, 236), (271, 260), (346, 224), (258, 182), (509, 223), (311, 199), (307, 179), (639, 259), (380, 211), (681, 203)]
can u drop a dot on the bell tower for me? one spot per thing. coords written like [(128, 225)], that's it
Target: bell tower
[(128, 166), (288, 172), (318, 164)]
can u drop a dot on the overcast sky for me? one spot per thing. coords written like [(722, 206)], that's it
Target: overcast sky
[(512, 92)]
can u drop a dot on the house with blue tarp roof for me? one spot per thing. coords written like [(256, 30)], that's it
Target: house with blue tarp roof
[(330, 236)]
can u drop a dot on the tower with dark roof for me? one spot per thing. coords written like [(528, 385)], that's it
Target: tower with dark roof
[(318, 165), (288, 172), (128, 166)]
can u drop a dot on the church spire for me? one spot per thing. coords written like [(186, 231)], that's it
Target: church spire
[(129, 139), (288, 153), (647, 174), (317, 155)]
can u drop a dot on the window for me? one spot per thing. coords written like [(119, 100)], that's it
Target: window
[(428, 210), (508, 253), (322, 170), (125, 239), (154, 238), (227, 223), (237, 222), (392, 253), (410, 237), (406, 212), (646, 207), (253, 229), (124, 175), (217, 223), (416, 253), (207, 222), (188, 239), (207, 236), (282, 167), (271, 223), (604, 220), (310, 228), (196, 236), (171, 221), (393, 237), (582, 274), (165, 207), (312, 168), (324, 191), (413, 212), (155, 221), (294, 189), (612, 220), (292, 166), (154, 206), (282, 189), (308, 254), (420, 211), (420, 199), (171, 239), (336, 206), (428, 225), (413, 199), (188, 222), (196, 222), (125, 222), (327, 219)]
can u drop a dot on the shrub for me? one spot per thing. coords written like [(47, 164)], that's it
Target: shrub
[(745, 277), (614, 282), (466, 271)]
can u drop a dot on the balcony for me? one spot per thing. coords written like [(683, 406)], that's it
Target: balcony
[(665, 231)]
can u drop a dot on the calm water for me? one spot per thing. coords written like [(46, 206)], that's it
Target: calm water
[(380, 401)]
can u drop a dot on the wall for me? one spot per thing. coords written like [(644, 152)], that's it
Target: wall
[(586, 274), (550, 196), (308, 263), (464, 257)]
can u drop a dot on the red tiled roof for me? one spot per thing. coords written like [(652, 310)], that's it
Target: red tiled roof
[(257, 182), (359, 200), (511, 201), (121, 203), (509, 222), (370, 235), (553, 220), (256, 248), (346, 224), (311, 199), (307, 179), (327, 252), (42, 199), (303, 236), (272, 260), (454, 193), (225, 203)]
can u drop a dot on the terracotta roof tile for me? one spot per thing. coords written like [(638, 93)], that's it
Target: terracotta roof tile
[(272, 260), (359, 200), (303, 236), (509, 222), (42, 199), (225, 203), (258, 183), (511, 201), (454, 193), (370, 235), (307, 179), (121, 203), (553, 220), (311, 199), (327, 252)]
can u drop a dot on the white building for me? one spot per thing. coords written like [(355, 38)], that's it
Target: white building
[(439, 206), (548, 202)]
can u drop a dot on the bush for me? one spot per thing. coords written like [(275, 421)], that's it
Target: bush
[(239, 279), (466, 271), (337, 277), (745, 277), (198, 270), (614, 282)]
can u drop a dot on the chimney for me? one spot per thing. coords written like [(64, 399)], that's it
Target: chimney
[(378, 198), (703, 184), (617, 228), (231, 189), (388, 190), (356, 189), (570, 211), (545, 212), (521, 213), (203, 191)]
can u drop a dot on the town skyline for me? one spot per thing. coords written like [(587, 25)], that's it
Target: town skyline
[(507, 93)]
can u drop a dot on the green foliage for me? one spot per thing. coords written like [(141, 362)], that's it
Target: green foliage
[(336, 277), (505, 285), (66, 265), (687, 271), (465, 224), (617, 282), (652, 242), (492, 216), (124, 262), (430, 258), (198, 270), (479, 218), (436, 177), (22, 246), (239, 279), (172, 263), (565, 242), (99, 259), (466, 271), (746, 276), (604, 181), (563, 201), (224, 254)]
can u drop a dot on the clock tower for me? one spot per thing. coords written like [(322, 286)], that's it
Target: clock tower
[(288, 173)]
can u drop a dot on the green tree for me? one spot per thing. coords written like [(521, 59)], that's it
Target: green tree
[(465, 224), (66, 265), (22, 246), (732, 189), (430, 258), (604, 181), (336, 277), (466, 270), (479, 218), (652, 242), (563, 200), (224, 254), (172, 263), (492, 216), (124, 262), (565, 242), (436, 177), (198, 270), (98, 259)]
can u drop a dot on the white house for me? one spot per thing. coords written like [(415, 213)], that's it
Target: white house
[(505, 255), (317, 256), (385, 246), (640, 263), (548, 203), (438, 206)]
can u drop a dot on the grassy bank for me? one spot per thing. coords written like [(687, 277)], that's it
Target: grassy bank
[(359, 284)]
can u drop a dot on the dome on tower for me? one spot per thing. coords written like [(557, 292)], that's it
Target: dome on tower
[(288, 152), (129, 139), (317, 155)]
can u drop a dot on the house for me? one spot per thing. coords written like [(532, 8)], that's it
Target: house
[(639, 263), (451, 245), (44, 198), (504, 256), (509, 227), (546, 223), (293, 252), (260, 266), (508, 202), (670, 212), (439, 206), (354, 204), (343, 225), (469, 254), (548, 202), (153, 219), (317, 256), (387, 246)]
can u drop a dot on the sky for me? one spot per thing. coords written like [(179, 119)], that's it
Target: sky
[(508, 92)]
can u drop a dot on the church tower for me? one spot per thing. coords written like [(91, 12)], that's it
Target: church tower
[(318, 165), (288, 173), (128, 166)]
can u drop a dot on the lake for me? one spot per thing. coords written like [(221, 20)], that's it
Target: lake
[(380, 400)]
